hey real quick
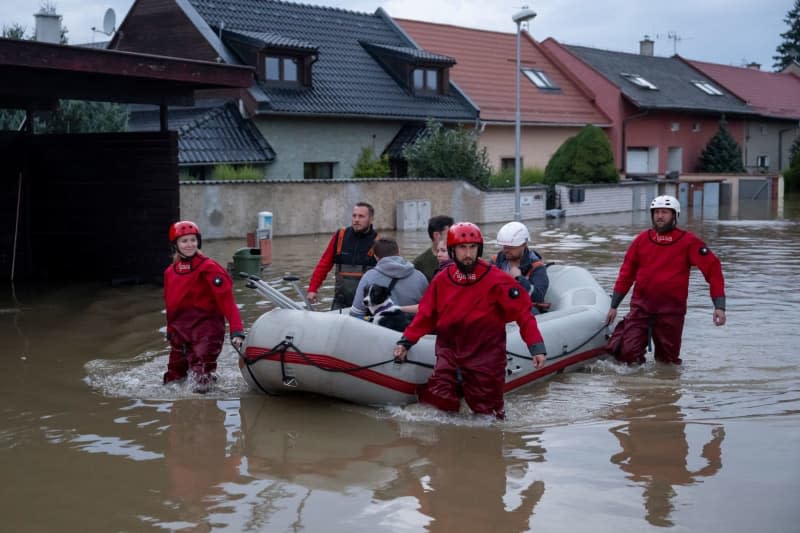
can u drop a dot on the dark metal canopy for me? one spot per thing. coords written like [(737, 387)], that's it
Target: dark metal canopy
[(36, 75)]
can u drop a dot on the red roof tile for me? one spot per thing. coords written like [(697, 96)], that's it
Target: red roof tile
[(485, 71), (772, 94)]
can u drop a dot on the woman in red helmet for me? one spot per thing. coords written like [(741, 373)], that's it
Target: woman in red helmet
[(199, 297), (468, 305)]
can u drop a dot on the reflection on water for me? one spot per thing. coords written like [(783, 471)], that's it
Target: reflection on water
[(86, 424), (655, 447)]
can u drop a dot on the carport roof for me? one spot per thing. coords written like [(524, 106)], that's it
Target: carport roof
[(35, 75)]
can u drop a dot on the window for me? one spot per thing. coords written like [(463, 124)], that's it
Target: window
[(696, 127), (426, 80), (281, 69), (639, 81), (762, 161), (507, 163), (707, 88), (539, 78), (676, 126), (318, 171)]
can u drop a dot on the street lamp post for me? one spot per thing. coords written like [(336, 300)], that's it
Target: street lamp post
[(524, 15)]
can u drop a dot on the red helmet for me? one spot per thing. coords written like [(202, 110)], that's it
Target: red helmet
[(464, 233), (184, 227)]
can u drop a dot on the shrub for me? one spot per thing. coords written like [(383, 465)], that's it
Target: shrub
[(448, 153), (240, 172), (369, 166), (583, 158), (791, 175), (505, 178)]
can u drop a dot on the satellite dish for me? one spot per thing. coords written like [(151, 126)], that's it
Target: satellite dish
[(109, 21)]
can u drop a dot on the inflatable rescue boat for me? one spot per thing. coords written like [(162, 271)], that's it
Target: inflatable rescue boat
[(294, 350)]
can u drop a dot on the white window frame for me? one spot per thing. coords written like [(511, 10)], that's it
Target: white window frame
[(539, 78), (639, 81), (707, 88)]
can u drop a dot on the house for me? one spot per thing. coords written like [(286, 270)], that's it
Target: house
[(328, 82), (209, 135), (775, 96), (554, 104), (663, 110)]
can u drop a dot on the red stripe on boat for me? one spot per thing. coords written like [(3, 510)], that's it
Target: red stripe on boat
[(333, 363), (553, 367)]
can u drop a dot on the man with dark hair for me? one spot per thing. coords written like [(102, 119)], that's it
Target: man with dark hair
[(350, 249), (426, 262), (468, 305), (407, 284)]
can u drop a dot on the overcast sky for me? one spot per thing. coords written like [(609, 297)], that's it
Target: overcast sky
[(729, 32)]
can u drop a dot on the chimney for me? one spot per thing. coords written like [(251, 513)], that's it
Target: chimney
[(48, 27), (754, 66), (646, 46)]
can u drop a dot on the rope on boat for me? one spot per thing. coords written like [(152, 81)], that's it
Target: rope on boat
[(565, 352), (286, 344)]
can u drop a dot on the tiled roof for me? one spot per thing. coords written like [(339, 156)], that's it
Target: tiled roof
[(209, 135), (772, 94), (672, 77), (346, 80), (413, 54), (273, 39), (486, 73)]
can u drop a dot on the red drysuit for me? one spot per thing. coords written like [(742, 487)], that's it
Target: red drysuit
[(469, 315), (199, 297), (659, 265)]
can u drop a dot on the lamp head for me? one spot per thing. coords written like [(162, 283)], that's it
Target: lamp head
[(524, 15)]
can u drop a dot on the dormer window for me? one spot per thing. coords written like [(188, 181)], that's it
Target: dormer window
[(707, 88), (639, 81), (426, 80), (281, 69), (279, 60), (539, 78), (418, 71)]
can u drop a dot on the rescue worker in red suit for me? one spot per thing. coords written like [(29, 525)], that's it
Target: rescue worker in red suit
[(350, 250), (657, 264), (199, 297), (468, 305)]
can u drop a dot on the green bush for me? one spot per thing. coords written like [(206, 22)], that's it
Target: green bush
[(505, 178), (583, 158), (369, 166), (448, 153), (722, 153), (238, 172)]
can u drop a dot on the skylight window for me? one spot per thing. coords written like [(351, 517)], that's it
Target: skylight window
[(539, 78), (639, 81), (707, 88)]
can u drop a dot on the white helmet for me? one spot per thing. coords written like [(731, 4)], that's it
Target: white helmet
[(513, 234), (666, 202)]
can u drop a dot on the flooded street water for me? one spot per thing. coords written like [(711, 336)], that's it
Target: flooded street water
[(91, 441)]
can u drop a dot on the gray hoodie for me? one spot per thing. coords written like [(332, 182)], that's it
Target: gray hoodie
[(410, 286)]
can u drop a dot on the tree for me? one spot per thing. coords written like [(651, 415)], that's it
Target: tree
[(722, 153), (789, 49), (583, 158), (448, 153), (14, 31), (369, 166), (791, 175)]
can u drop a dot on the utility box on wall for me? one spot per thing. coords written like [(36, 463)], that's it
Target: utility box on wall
[(413, 215)]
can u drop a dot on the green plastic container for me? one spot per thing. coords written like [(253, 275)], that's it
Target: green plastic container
[(247, 260)]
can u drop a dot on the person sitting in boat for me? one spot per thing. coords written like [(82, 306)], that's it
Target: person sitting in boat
[(427, 262), (523, 264), (198, 294), (407, 284), (468, 305), (350, 249)]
